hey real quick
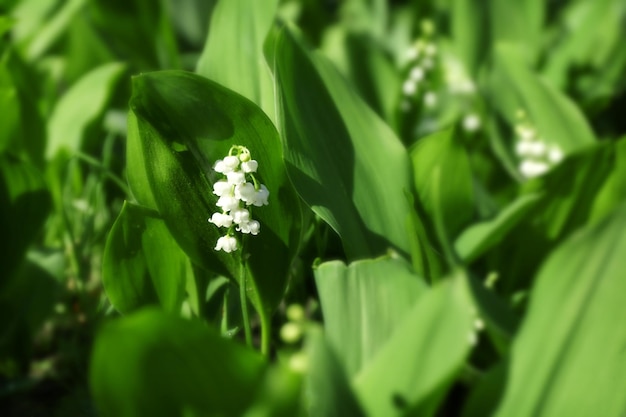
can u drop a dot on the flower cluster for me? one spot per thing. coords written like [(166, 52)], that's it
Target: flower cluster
[(535, 155), (421, 55), (236, 195)]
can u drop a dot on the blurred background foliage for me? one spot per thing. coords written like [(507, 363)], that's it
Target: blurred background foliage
[(65, 84)]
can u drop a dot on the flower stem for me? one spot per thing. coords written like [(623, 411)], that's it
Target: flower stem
[(244, 304), (266, 331)]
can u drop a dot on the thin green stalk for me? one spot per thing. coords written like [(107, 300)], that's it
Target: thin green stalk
[(266, 331), (243, 298)]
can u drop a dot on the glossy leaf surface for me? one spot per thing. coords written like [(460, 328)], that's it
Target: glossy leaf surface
[(345, 162)]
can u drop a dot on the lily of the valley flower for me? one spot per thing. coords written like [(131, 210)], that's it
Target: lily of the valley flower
[(237, 192)]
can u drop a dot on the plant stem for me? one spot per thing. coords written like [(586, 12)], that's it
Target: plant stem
[(243, 298), (266, 331)]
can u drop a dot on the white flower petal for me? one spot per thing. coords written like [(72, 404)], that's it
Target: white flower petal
[(226, 243), (221, 220), (221, 188), (227, 203), (249, 166), (240, 215), (235, 177), (261, 196), (245, 192)]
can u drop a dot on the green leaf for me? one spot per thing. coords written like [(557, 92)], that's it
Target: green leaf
[(181, 124), (155, 364), (10, 117), (345, 163), (24, 206), (366, 65), (480, 237), (569, 357), (412, 372), (233, 52), (327, 387), (142, 263), (557, 119), (363, 303), (81, 106), (567, 196), (443, 151)]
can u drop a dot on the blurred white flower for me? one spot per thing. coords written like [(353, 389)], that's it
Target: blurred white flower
[(471, 123)]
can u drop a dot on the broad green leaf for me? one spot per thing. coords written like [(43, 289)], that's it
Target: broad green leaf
[(443, 151), (515, 86), (477, 26), (517, 22), (480, 237), (27, 301), (470, 31), (52, 29), (24, 206), (327, 389), (569, 357), (345, 163), (366, 65), (10, 116), (365, 16), (363, 303), (412, 372), (233, 52), (592, 50), (279, 395), (613, 191), (566, 199), (142, 263), (155, 364), (139, 31), (81, 106), (181, 123)]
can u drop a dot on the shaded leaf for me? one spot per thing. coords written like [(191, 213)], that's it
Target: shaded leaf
[(142, 263), (345, 163), (155, 364), (327, 386), (442, 151), (181, 124)]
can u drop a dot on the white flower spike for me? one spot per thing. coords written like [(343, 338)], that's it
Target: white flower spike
[(237, 192)]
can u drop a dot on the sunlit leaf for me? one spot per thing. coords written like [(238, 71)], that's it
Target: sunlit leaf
[(362, 305), (412, 372), (79, 107), (233, 52), (569, 357)]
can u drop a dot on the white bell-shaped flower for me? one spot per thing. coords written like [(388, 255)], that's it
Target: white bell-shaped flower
[(221, 188), (240, 215), (226, 243), (249, 166), (227, 203), (221, 220), (236, 177)]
